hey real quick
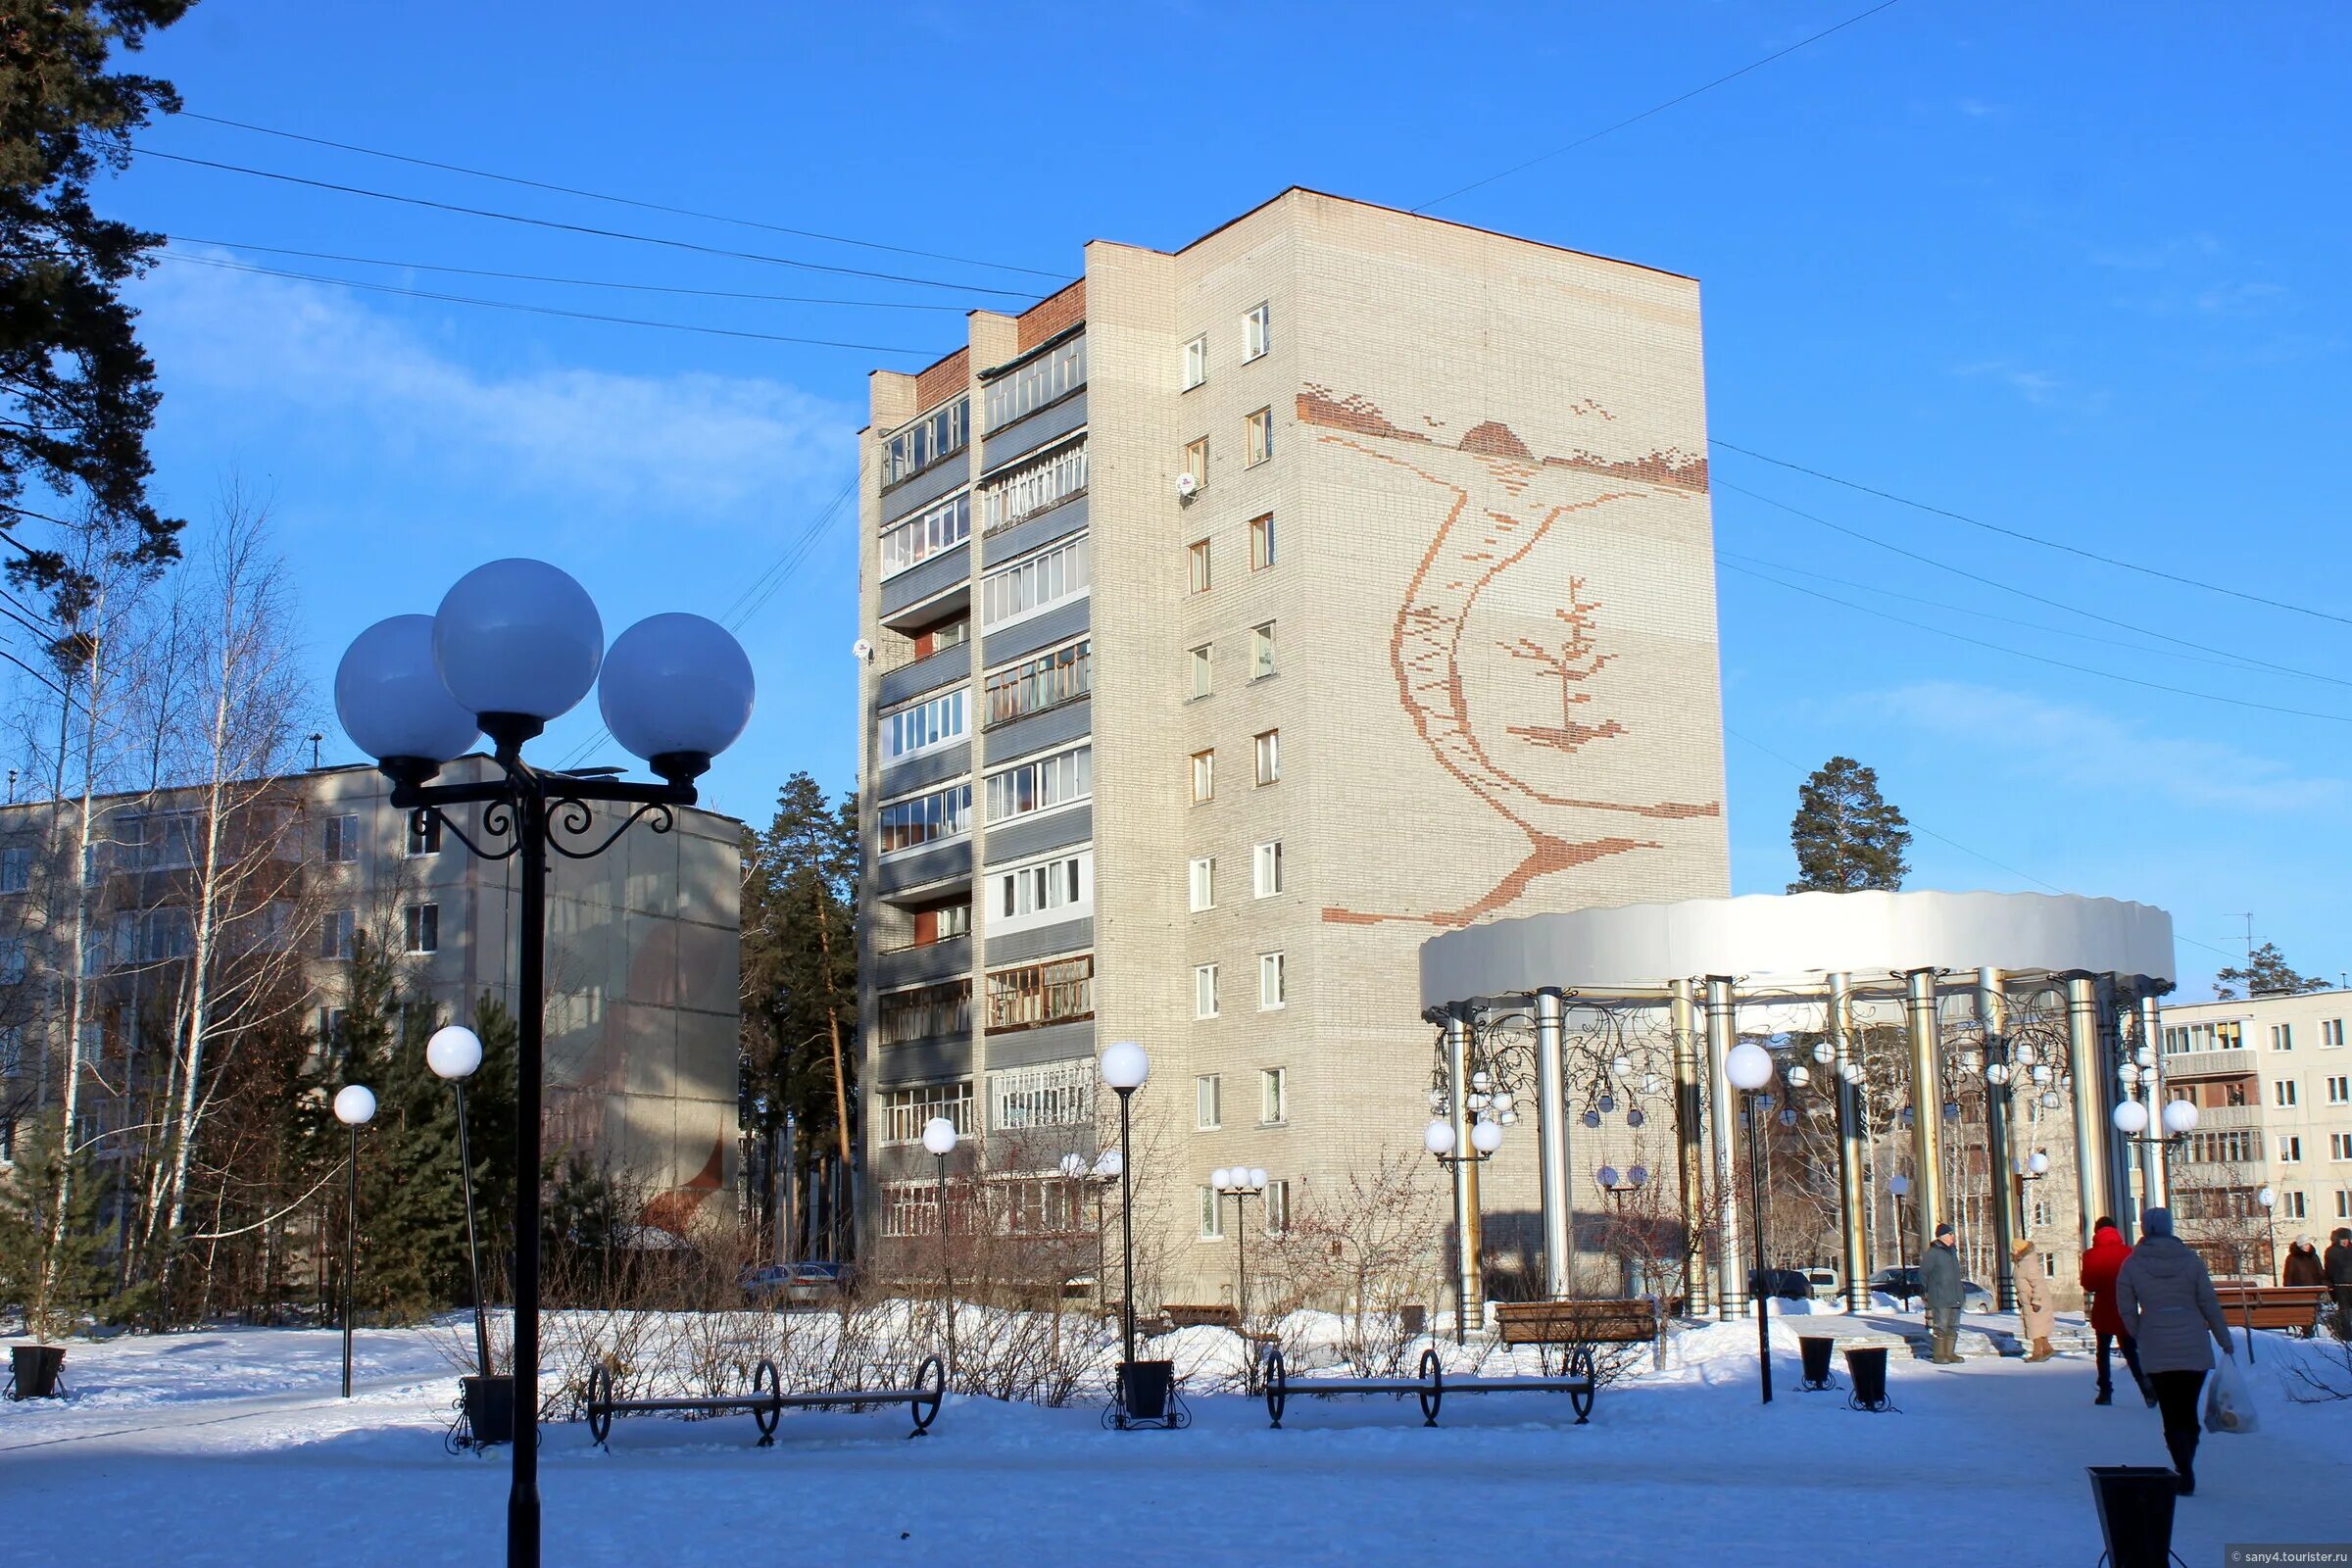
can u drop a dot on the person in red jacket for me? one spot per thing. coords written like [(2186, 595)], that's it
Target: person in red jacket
[(2108, 1251)]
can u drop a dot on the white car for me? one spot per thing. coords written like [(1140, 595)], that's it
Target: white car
[(1827, 1285)]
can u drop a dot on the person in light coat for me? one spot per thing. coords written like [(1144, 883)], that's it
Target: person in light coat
[(2037, 1313), (2165, 1296)]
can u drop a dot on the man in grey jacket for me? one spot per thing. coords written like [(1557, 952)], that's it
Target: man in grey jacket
[(1939, 1285), (2165, 1297)]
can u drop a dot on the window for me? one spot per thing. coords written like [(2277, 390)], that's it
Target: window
[(1265, 870), (1199, 665), (420, 925), (425, 833), (1042, 783), (1197, 564), (2290, 1205), (1212, 1214), (1195, 361), (331, 1022), (2049, 1265), (926, 1012), (1278, 1207), (2282, 1091), (1208, 1101), (1195, 464), (2343, 1202), (1034, 486), (1204, 991), (1269, 755), (1204, 884), (12, 1052), (1262, 651), (923, 819), (1058, 1093), (2283, 1036), (15, 868), (1034, 685), (1052, 375), (940, 433), (2331, 1033), (1261, 542), (1257, 332), (919, 726), (12, 961), (1273, 1096), (933, 531), (1034, 995), (2291, 1151), (335, 930), (905, 1110), (343, 838), (1046, 579), (8, 1140), (944, 636), (1270, 991), (2339, 1145), (1045, 891), (1257, 437), (2339, 1089), (1204, 776), (942, 922), (2041, 1214)]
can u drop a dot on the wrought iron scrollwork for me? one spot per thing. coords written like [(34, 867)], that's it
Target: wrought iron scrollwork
[(568, 814)]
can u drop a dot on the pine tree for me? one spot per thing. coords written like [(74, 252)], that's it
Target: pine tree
[(1847, 838), (34, 1252), (2266, 974), (800, 961)]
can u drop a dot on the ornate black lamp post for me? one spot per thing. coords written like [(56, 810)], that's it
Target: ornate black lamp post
[(1241, 1182), (455, 1054), (939, 1139), (514, 645), (355, 1109), (1749, 1066), (1143, 1394)]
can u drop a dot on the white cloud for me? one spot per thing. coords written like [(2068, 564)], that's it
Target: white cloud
[(684, 443), (2087, 750), (2037, 387)]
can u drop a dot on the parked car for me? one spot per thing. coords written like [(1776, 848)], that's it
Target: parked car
[(799, 1284), (1827, 1285), (1789, 1284), (1903, 1285)]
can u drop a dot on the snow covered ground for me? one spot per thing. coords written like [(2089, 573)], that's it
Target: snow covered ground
[(231, 1447)]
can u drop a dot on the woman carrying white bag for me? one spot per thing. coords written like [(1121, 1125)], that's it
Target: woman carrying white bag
[(2166, 1299)]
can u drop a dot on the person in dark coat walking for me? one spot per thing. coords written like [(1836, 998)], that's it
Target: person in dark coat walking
[(1939, 1287), (2166, 1299), (2337, 1265), (2108, 1251)]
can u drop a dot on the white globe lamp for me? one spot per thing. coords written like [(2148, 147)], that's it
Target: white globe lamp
[(676, 690), (453, 1052), (1125, 1066), (1749, 1066), (940, 1137), (517, 643), (1486, 1136), (2131, 1118), (2179, 1117), (1438, 1137), (355, 1105), (390, 700)]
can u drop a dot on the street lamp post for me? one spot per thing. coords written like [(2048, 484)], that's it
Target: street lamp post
[(1444, 1145), (355, 1107), (2268, 1200), (514, 645), (455, 1054), (1124, 1067), (1748, 1067), (939, 1139), (1897, 1186), (1241, 1182)]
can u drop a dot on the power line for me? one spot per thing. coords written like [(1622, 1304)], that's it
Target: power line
[(585, 229), (2036, 539), (621, 201), (2039, 659), (2011, 588), (535, 309), (1657, 109), (574, 282)]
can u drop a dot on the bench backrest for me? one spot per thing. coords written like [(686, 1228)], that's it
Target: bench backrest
[(1607, 1322)]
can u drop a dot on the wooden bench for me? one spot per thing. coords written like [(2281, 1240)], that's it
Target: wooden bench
[(2300, 1308), (1202, 1317), (1430, 1386), (1578, 1325), (767, 1401)]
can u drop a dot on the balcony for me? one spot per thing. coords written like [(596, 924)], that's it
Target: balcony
[(944, 959), (2228, 1118), (2182, 1064)]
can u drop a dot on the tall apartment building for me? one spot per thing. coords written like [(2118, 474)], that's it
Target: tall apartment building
[(2272, 1084), (1239, 617), (643, 958)]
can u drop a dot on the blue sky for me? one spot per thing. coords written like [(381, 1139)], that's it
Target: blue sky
[(2072, 270)]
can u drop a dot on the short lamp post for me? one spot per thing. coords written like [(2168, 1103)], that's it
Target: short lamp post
[(1240, 1184), (2269, 1200), (939, 1139), (1486, 1137), (1749, 1066), (355, 1109), (514, 645), (1124, 1067), (455, 1054)]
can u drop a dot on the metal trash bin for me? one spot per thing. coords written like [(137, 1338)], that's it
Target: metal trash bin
[(2136, 1513), (1816, 1348), (1866, 1364), (35, 1371)]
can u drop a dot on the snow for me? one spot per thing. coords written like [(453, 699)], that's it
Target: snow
[(230, 1447)]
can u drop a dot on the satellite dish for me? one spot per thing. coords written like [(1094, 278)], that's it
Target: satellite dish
[(1186, 484), (863, 651)]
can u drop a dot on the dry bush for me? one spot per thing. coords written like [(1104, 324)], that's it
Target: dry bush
[(1365, 1250)]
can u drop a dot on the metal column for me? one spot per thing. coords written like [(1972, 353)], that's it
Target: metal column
[(1851, 1193), (1731, 1286), (2154, 1174), (1991, 1014), (2090, 1110), (1928, 1199), (2118, 1152), (1551, 1138), (1468, 1295), (1689, 1145)]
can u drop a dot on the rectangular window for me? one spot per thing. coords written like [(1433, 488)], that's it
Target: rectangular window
[(335, 930), (1262, 651), (1204, 991), (2331, 1033), (1034, 995), (2282, 1091), (1195, 464), (1204, 776), (1033, 486), (914, 447), (923, 819), (944, 636), (2041, 1214), (1271, 993), (12, 1052), (1208, 1101), (2290, 1205), (2049, 1265), (1042, 783), (1047, 378), (343, 838), (331, 1022), (425, 833), (1257, 437), (1047, 680), (1212, 1214), (1045, 891), (2339, 1145), (1265, 870), (1047, 578), (1273, 1096), (421, 927), (2283, 1036), (942, 922), (905, 1110), (919, 726), (1195, 361), (15, 868), (1197, 566), (1269, 755), (933, 531), (2291, 1151), (926, 1012), (1198, 665), (1204, 884), (1261, 542), (1058, 1093), (1257, 331), (1278, 1207), (2339, 1089), (2343, 1202)]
